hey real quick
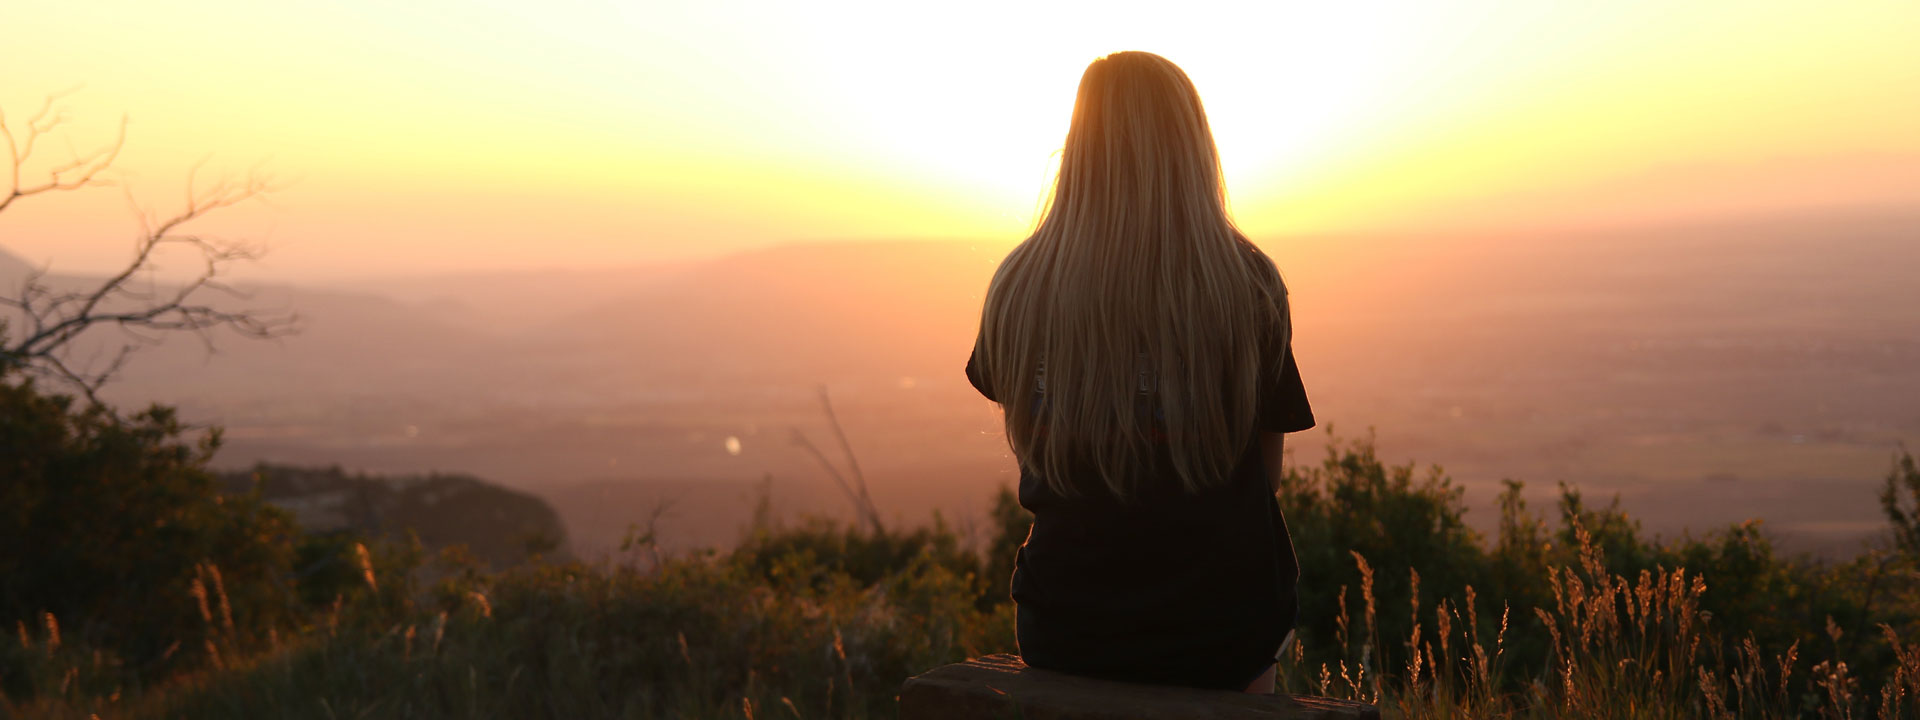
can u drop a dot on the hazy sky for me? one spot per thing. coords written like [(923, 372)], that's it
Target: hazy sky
[(443, 135)]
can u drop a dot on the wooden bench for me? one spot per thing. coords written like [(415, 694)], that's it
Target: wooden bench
[(1001, 686)]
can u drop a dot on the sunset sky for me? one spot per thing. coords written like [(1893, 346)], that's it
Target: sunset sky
[(439, 136)]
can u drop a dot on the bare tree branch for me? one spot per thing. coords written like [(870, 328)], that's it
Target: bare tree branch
[(52, 319), (81, 170)]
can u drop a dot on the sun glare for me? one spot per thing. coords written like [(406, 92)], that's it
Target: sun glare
[(978, 100), (649, 129)]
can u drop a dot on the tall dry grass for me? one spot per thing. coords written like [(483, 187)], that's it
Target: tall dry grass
[(1636, 648), (824, 621), (700, 636)]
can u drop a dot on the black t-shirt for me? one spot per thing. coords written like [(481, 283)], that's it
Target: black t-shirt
[(1173, 587)]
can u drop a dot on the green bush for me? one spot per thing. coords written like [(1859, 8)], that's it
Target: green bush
[(1398, 520), (115, 534), (821, 551), (1364, 531), (703, 635)]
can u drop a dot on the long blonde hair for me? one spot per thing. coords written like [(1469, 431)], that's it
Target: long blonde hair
[(1135, 288)]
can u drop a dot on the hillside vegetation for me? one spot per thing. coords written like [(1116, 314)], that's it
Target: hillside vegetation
[(497, 526), (136, 588)]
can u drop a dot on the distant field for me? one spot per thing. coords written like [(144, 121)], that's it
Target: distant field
[(1708, 374)]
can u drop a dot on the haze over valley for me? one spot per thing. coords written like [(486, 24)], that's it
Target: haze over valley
[(1707, 373)]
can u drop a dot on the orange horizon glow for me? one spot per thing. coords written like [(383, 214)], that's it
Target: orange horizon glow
[(461, 136)]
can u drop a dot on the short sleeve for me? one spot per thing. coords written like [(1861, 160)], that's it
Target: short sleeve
[(976, 376), (1283, 406)]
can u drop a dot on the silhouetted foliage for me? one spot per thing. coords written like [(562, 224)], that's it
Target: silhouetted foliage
[(1581, 616), (1353, 503), (821, 551), (1900, 500), (115, 533)]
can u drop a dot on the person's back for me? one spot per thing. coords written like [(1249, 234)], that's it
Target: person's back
[(1141, 350)]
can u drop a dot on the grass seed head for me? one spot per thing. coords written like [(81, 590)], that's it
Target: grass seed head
[(486, 608), (199, 591), (366, 565), (220, 593), (53, 632)]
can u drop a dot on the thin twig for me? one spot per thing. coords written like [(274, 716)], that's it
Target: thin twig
[(853, 463), (838, 479)]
